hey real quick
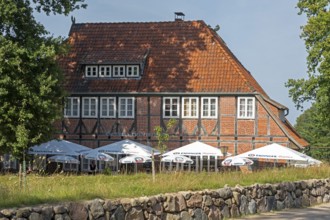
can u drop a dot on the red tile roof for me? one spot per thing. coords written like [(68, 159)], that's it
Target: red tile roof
[(179, 56)]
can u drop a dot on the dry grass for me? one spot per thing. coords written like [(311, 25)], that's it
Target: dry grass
[(56, 188)]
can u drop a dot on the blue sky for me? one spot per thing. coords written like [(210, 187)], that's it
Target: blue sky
[(263, 34)]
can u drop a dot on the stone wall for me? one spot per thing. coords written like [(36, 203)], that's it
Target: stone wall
[(207, 204)]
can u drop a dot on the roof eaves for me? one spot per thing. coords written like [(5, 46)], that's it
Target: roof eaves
[(276, 119)]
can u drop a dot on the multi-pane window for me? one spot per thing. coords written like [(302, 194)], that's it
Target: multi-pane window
[(89, 107), (71, 108), (118, 71), (190, 107), (209, 107), (126, 107), (105, 71), (171, 107), (246, 107), (132, 71), (91, 71), (108, 107)]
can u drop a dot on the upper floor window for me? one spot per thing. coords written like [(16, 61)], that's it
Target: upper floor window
[(89, 107), (132, 71), (171, 107), (246, 107), (118, 71), (190, 107), (209, 107), (71, 107), (91, 71), (126, 107), (105, 71), (108, 107)]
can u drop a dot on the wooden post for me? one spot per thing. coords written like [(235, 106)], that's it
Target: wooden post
[(216, 163), (153, 166), (197, 163)]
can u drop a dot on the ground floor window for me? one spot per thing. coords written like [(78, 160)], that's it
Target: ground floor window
[(126, 107), (171, 107)]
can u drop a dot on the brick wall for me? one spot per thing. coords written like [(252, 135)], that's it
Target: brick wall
[(239, 135)]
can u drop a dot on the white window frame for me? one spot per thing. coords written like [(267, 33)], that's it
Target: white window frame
[(171, 107), (116, 71), (105, 71), (92, 69), (135, 70), (89, 115), (189, 115), (245, 106), (125, 115), (107, 107), (209, 107), (70, 99)]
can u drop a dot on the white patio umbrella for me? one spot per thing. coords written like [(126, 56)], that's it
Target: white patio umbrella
[(236, 161), (135, 159), (128, 147), (199, 150), (276, 152), (196, 149), (63, 159), (177, 159), (58, 147), (95, 155)]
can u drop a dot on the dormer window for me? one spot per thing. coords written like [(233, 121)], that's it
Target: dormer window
[(91, 71), (112, 71), (118, 71), (105, 71), (132, 71)]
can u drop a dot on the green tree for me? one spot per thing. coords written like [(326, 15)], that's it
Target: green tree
[(163, 136), (316, 34), (311, 127), (31, 83)]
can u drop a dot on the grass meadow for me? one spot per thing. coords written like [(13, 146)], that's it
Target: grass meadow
[(64, 187)]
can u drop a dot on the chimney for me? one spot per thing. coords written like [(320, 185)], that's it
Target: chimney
[(179, 16)]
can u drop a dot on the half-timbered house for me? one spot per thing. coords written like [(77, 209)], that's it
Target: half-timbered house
[(123, 79)]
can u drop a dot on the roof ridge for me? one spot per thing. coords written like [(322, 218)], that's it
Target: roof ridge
[(138, 22)]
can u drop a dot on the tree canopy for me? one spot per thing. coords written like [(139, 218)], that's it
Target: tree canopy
[(316, 34), (310, 126), (31, 83)]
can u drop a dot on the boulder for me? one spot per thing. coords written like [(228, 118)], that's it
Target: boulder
[(134, 213), (199, 214), (59, 209), (35, 216), (96, 208), (207, 200), (244, 205), (119, 213), (23, 213), (47, 213), (195, 201), (77, 211), (214, 213), (252, 207), (225, 193), (234, 211)]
